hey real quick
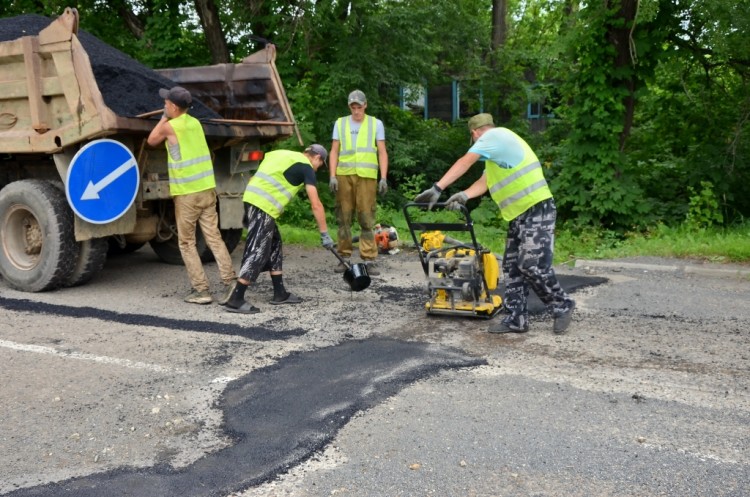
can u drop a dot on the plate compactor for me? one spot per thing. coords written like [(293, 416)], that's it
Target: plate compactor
[(460, 276)]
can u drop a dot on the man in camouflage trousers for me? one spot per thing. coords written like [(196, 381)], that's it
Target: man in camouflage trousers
[(515, 180)]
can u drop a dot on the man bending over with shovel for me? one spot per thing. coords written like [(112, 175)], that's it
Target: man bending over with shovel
[(281, 175)]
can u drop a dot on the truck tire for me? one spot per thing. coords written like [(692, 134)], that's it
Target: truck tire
[(38, 250), (169, 251), (90, 258), (92, 254)]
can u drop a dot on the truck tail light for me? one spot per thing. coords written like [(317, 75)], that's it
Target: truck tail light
[(253, 155)]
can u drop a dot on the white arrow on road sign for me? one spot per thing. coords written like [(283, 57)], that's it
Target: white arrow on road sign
[(92, 190)]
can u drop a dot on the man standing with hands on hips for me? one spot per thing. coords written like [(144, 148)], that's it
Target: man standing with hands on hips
[(358, 152), (515, 180), (193, 188)]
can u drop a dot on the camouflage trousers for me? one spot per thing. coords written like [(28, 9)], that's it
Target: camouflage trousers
[(527, 263)]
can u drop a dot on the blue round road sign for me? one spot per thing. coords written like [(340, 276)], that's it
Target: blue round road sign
[(102, 181)]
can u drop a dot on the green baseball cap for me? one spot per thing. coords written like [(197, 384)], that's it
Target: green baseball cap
[(480, 120)]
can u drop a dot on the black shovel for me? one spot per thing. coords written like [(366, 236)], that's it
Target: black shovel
[(355, 275)]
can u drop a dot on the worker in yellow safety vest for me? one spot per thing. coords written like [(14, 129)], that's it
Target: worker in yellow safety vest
[(193, 189), (515, 180), (358, 153), (281, 175)]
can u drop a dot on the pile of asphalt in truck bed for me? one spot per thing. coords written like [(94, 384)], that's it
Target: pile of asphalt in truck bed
[(128, 87)]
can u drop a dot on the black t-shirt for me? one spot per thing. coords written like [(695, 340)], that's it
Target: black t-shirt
[(300, 173)]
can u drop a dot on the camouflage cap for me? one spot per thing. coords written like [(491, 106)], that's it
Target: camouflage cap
[(357, 97)]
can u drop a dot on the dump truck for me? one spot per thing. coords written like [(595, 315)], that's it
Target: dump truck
[(71, 107)]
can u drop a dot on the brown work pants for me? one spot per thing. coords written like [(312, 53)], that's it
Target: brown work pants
[(356, 194), (200, 209)]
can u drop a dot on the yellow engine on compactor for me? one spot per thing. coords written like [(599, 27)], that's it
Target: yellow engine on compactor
[(461, 277)]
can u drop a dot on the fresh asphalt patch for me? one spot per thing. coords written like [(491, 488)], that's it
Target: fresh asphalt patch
[(419, 294), (251, 332), (569, 283), (278, 417)]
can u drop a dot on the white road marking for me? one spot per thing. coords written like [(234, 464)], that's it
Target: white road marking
[(40, 349)]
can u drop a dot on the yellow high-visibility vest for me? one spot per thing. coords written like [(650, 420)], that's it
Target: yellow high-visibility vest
[(268, 189), (194, 172), (517, 189), (359, 158)]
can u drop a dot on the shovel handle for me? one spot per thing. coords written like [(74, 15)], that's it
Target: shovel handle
[(348, 266)]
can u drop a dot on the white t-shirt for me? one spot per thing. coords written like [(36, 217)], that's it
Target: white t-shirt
[(354, 128)]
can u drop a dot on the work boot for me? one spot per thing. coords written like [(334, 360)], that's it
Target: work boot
[(199, 297), (226, 294), (372, 268), (507, 325), (562, 321), (341, 267)]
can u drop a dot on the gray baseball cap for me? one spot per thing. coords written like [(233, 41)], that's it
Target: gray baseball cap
[(317, 149), (178, 96)]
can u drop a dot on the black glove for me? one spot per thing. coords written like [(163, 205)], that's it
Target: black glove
[(455, 202), (333, 184), (430, 196), (326, 240)]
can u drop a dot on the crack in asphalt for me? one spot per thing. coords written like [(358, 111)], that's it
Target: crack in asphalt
[(251, 332)]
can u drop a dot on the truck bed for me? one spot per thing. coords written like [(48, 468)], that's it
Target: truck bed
[(119, 95)]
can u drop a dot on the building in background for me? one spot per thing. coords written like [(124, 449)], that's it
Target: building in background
[(461, 99)]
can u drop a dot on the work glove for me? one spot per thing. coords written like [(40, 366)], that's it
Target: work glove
[(430, 196), (382, 186), (455, 202), (333, 184), (326, 240)]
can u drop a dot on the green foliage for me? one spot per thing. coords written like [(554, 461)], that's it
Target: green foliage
[(709, 244), (488, 215), (694, 114), (171, 38), (48, 8), (422, 149), (704, 210), (411, 186), (686, 70), (591, 180), (718, 245), (297, 213)]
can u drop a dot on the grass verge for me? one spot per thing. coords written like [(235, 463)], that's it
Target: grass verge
[(717, 245)]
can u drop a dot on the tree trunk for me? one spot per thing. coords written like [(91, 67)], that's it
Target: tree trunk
[(497, 43), (621, 38), (499, 23), (132, 22), (217, 44)]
